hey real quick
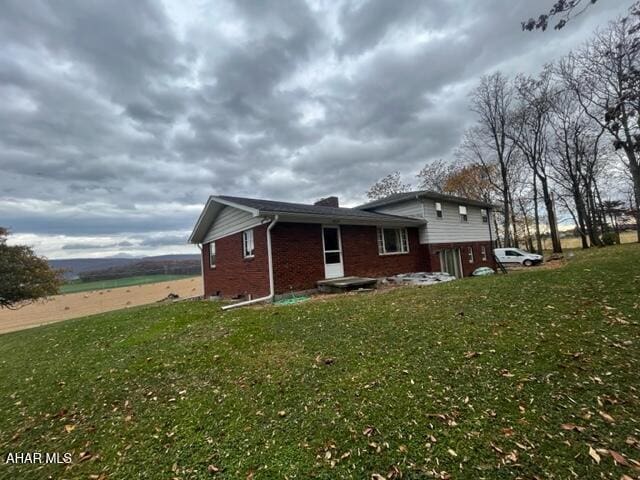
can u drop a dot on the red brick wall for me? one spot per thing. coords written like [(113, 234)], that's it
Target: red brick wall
[(298, 257), (235, 275), (467, 267), (361, 258)]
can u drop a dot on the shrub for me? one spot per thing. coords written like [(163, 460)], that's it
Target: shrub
[(24, 277)]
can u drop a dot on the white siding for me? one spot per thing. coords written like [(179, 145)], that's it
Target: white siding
[(411, 208), (447, 229), (230, 220)]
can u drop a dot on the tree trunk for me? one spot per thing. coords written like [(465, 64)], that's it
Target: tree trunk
[(596, 223), (589, 223), (600, 209), (507, 206), (580, 217), (551, 216), (528, 239), (634, 167), (537, 215), (513, 221), (495, 223)]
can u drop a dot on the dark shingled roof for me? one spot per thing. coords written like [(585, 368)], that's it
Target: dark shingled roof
[(400, 197), (266, 207)]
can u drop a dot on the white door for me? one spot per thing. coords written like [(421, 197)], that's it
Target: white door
[(332, 252)]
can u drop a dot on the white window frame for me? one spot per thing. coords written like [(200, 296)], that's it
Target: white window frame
[(212, 255), (470, 254), (484, 213), (438, 206), (483, 253), (248, 244), (464, 214), (402, 239)]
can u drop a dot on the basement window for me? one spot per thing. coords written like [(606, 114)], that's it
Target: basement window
[(248, 246), (212, 255), (463, 213), (485, 215), (392, 241), (470, 253), (438, 210), (483, 253)]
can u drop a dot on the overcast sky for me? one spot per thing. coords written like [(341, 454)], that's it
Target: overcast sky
[(119, 118)]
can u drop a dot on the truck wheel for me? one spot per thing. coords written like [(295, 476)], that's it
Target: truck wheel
[(527, 263)]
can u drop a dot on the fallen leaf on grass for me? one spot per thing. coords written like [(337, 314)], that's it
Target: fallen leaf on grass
[(593, 454), (393, 473), (606, 416), (69, 428), (571, 426), (496, 448), (213, 469), (619, 459), (471, 354), (367, 432), (632, 441)]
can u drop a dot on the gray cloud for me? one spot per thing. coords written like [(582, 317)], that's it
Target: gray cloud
[(93, 246), (119, 119)]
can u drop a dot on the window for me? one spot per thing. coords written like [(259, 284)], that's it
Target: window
[(392, 240), (483, 253), (470, 253), (438, 210), (247, 244), (212, 255), (513, 253), (485, 215), (463, 213)]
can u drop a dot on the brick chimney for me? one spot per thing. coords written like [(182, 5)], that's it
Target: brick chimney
[(328, 202)]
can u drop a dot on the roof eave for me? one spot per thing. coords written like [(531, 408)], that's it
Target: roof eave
[(343, 219), (435, 196), (200, 230)]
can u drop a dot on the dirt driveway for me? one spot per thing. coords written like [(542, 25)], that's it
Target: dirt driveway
[(72, 305)]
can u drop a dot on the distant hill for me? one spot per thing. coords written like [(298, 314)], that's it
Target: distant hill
[(75, 268)]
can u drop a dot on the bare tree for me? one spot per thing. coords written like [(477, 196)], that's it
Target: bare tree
[(434, 175), (488, 144), (387, 185), (605, 77), (529, 129), (576, 161)]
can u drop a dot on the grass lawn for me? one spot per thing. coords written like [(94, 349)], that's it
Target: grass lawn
[(531, 375), (74, 287)]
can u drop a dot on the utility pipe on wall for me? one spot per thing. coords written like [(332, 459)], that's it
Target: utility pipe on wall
[(271, 282)]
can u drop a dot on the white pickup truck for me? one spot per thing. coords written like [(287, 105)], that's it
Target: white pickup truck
[(516, 255)]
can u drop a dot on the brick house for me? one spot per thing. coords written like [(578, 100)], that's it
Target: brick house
[(262, 248)]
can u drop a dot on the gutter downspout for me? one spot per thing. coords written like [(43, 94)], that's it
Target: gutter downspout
[(200, 247), (271, 282)]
